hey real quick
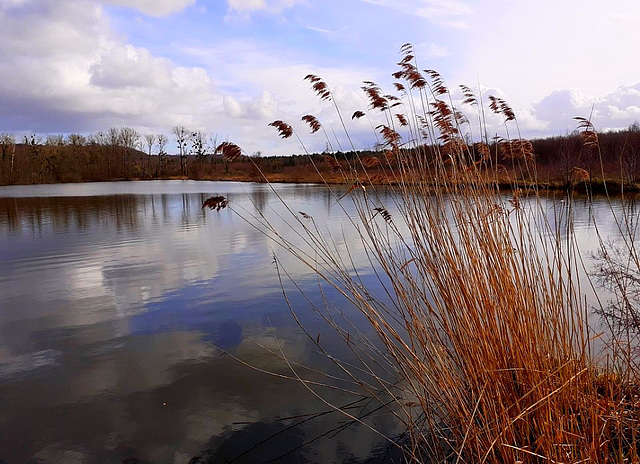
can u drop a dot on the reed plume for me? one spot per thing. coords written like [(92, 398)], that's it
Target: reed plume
[(390, 136), (481, 339), (319, 87), (370, 161), (516, 149), (313, 122), (333, 163), (217, 203), (377, 100), (284, 129), (589, 134), (469, 97), (500, 106), (402, 119), (229, 151)]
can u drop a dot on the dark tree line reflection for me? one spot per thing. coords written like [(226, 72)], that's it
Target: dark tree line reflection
[(83, 214)]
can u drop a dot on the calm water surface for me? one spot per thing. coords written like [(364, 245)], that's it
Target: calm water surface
[(118, 302)]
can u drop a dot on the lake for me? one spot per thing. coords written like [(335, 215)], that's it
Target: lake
[(136, 326), (117, 302)]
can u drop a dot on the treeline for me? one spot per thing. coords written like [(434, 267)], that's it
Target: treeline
[(119, 153), (618, 155), (123, 153)]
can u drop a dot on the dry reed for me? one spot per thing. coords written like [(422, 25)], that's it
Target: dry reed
[(483, 341)]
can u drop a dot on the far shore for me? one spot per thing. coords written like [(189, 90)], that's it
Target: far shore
[(596, 186)]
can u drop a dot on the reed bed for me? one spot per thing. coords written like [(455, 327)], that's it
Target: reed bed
[(481, 337)]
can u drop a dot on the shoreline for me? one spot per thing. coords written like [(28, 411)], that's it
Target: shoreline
[(608, 186)]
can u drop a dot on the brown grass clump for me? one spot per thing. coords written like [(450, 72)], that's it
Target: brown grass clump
[(370, 161), (516, 149), (580, 174), (483, 339)]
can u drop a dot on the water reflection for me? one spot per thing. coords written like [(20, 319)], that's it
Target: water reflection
[(259, 198), (115, 309), (119, 300)]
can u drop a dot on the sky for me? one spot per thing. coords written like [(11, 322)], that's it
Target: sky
[(230, 67)]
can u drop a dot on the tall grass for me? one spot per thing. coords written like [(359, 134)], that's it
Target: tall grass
[(482, 335)]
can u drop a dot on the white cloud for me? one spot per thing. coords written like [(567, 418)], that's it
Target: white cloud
[(616, 110), (439, 9), (430, 50), (261, 86), (241, 6), (232, 107), (340, 34), (80, 74), (560, 107), (554, 114), (127, 66), (12, 3), (155, 7), (77, 74), (451, 13), (244, 8), (262, 108), (530, 49)]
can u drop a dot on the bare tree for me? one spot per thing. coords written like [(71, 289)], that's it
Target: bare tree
[(7, 144), (212, 143), (51, 160), (7, 141), (129, 140), (99, 143), (161, 142), (33, 139), (78, 147), (149, 141), (199, 145), (629, 153), (99, 138), (113, 137), (54, 140), (76, 140), (182, 135), (33, 142)]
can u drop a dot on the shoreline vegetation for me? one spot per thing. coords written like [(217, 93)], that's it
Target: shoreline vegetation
[(483, 347), (561, 163)]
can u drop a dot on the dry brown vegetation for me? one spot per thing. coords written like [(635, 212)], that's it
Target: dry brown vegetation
[(121, 153), (482, 339)]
